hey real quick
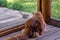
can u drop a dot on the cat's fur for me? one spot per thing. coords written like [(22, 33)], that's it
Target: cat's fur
[(34, 27)]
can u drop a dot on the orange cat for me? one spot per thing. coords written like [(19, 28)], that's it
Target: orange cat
[(34, 27)]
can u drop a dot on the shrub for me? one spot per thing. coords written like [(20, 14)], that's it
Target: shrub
[(3, 3)]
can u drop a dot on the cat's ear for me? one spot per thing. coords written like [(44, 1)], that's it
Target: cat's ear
[(39, 12), (36, 13)]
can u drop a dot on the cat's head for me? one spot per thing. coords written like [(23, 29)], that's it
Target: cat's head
[(36, 14)]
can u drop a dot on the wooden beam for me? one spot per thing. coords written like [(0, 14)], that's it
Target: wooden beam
[(11, 30), (54, 22), (46, 10), (39, 5)]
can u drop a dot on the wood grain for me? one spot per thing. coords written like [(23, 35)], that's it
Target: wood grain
[(11, 30)]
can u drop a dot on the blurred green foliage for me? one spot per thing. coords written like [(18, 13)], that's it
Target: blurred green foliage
[(31, 6), (21, 5), (3, 3), (55, 9)]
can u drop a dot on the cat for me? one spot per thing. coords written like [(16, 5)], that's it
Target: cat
[(34, 27)]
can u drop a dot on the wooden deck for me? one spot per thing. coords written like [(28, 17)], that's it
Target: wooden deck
[(9, 18), (51, 33)]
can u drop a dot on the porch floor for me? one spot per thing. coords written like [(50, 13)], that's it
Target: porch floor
[(51, 33)]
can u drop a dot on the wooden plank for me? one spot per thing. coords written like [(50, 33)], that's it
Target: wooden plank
[(49, 32), (58, 38), (55, 22), (7, 27), (32, 39), (52, 36), (11, 30)]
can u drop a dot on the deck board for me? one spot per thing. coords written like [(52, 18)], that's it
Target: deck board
[(10, 18), (52, 36), (51, 33), (57, 38)]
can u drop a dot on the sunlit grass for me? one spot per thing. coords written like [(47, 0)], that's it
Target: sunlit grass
[(10, 1)]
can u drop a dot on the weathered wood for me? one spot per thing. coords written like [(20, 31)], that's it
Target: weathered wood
[(58, 38), (11, 20), (55, 22), (39, 6), (46, 11), (46, 6), (51, 33), (52, 36), (11, 30)]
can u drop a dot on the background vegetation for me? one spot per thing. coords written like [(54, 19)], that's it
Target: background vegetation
[(21, 5), (55, 9), (31, 6)]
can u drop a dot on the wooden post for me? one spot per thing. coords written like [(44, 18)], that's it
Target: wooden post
[(46, 10), (39, 5)]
